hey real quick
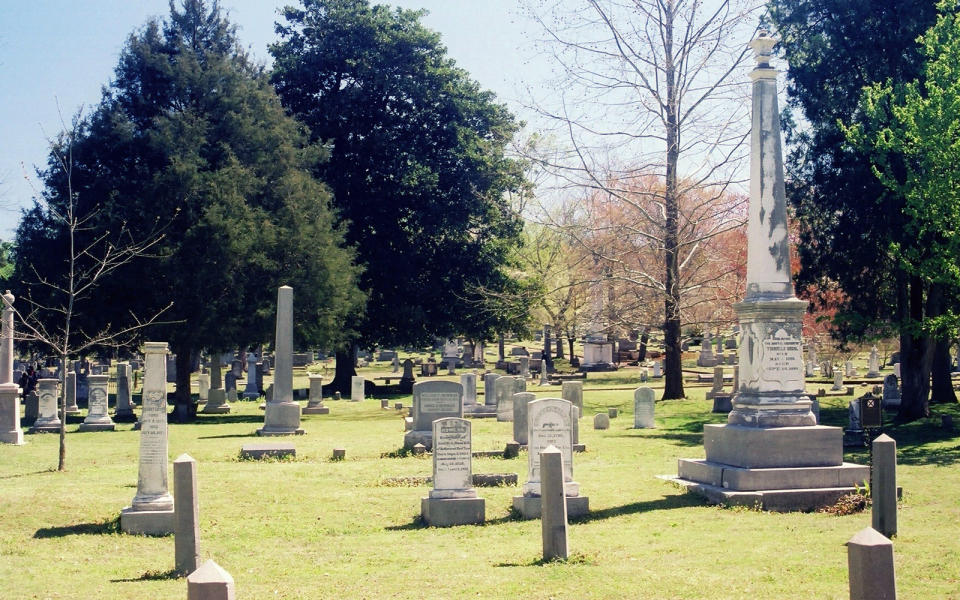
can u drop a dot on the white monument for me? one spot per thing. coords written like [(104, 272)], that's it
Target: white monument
[(98, 419), (151, 512), (643, 407), (48, 419), (432, 400), (282, 416), (356, 388), (453, 499), (771, 452)]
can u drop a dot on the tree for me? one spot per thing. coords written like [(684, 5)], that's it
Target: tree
[(417, 165), (910, 133), (651, 88), (190, 132), (81, 260), (848, 220)]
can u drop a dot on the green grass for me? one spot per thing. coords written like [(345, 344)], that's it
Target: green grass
[(315, 528)]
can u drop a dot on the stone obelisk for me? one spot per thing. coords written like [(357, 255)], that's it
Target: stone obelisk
[(282, 415), (771, 452), (10, 431), (151, 512)]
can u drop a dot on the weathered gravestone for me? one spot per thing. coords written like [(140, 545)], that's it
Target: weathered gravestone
[(489, 390), (505, 388), (469, 383), (521, 400), (601, 421), (216, 395), (48, 420), (553, 525), (572, 391), (98, 417), (124, 411), (210, 582), (453, 499), (870, 566), (643, 407), (407, 379), (187, 510), (432, 400), (549, 423), (356, 388), (873, 363), (837, 380), (891, 392), (151, 512), (251, 390), (71, 393)]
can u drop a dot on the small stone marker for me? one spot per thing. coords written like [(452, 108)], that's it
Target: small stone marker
[(505, 388), (613, 413), (520, 402), (251, 390), (837, 381), (419, 449), (339, 453), (870, 566), (883, 488), (124, 411), (553, 520), (356, 388), (384, 404), (544, 374), (271, 449), (453, 499), (315, 400), (891, 392), (71, 393), (210, 582), (469, 383), (98, 419), (187, 510), (216, 395), (601, 421), (572, 391), (512, 450), (643, 408)]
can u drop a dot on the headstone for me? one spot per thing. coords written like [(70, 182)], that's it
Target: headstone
[(187, 511), (210, 582), (489, 389), (357, 383), (505, 389), (453, 499), (216, 395), (657, 369), (848, 369), (10, 431), (396, 363), (315, 400), (98, 417), (883, 488), (520, 402), (124, 410), (870, 566), (891, 391), (525, 366), (549, 423), (47, 418), (432, 400), (873, 363), (171, 368), (837, 381), (717, 383), (553, 521), (706, 358), (643, 407), (151, 512), (71, 393), (251, 390), (282, 416), (544, 374), (469, 383), (203, 387), (407, 379), (572, 391), (896, 370), (601, 421)]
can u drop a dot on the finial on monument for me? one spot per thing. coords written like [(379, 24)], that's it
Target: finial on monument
[(8, 299), (762, 47)]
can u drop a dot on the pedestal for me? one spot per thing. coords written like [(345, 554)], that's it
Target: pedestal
[(216, 403), (10, 431), (448, 512), (281, 418), (147, 522)]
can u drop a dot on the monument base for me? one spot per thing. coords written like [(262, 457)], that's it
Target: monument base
[(528, 507), (316, 410), (147, 522), (722, 403), (759, 447), (14, 437), (448, 512), (281, 418), (48, 427), (414, 437), (209, 409), (73, 410), (97, 427)]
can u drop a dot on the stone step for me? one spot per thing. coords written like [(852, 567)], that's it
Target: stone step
[(742, 479)]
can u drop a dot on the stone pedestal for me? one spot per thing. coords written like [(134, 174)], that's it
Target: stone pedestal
[(10, 431), (282, 414), (597, 356), (217, 395), (151, 512), (48, 420), (315, 403), (98, 419)]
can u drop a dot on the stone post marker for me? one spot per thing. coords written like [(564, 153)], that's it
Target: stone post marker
[(315, 401), (98, 419), (870, 566), (469, 383), (47, 417), (771, 436), (643, 408), (187, 533), (883, 489), (10, 431), (520, 402), (210, 582), (252, 390), (124, 410), (151, 512), (71, 393), (282, 415), (553, 520)]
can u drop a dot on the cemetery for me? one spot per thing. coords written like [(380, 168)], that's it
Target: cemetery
[(310, 419)]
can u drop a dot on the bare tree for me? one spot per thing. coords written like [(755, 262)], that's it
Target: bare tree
[(53, 300), (652, 88)]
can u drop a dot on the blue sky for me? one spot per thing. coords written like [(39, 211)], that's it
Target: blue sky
[(64, 51)]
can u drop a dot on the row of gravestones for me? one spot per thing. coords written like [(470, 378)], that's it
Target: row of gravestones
[(42, 411)]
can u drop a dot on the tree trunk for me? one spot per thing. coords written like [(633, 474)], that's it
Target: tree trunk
[(916, 356), (345, 367), (62, 460), (500, 349), (559, 347), (941, 387), (184, 409)]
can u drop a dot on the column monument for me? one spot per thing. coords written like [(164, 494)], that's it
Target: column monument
[(10, 431), (771, 451), (282, 415)]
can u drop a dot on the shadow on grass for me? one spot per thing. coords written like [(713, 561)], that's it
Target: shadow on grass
[(41, 472), (102, 528), (576, 558), (220, 437), (416, 523), (665, 503), (223, 419), (681, 439), (152, 576)]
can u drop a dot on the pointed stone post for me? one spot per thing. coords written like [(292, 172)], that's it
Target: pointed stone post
[(883, 488), (187, 508), (282, 416), (151, 512), (870, 566), (210, 582), (71, 393), (553, 519), (10, 431)]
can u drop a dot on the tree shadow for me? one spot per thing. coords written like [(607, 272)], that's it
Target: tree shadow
[(103, 528), (152, 576), (41, 472), (222, 419), (227, 436), (664, 503)]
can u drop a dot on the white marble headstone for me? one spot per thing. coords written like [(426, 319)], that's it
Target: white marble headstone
[(452, 459), (549, 424), (643, 408), (356, 388)]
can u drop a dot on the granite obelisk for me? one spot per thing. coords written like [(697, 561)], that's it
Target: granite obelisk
[(282, 415)]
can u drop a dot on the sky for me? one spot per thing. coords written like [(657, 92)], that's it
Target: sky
[(62, 52)]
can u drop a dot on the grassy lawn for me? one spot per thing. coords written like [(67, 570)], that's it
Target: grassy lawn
[(314, 528)]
